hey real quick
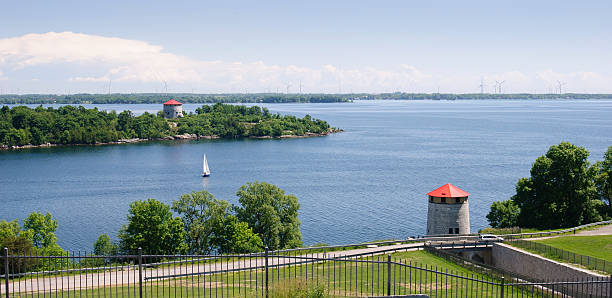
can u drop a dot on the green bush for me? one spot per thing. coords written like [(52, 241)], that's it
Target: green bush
[(297, 289)]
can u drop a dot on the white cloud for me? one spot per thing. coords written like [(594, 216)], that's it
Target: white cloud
[(581, 81), (101, 59), (138, 61), (89, 79), (551, 76)]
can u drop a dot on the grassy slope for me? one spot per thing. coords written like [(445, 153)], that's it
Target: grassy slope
[(592, 246)]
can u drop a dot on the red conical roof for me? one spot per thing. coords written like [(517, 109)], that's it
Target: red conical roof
[(448, 191), (172, 102)]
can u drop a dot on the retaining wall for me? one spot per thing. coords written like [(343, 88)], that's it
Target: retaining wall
[(534, 266)]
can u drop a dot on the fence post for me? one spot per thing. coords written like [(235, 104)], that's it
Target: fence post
[(388, 275), (6, 272), (266, 254), (324, 261), (503, 283), (140, 272), (609, 288)]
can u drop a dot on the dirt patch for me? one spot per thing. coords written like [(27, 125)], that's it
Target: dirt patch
[(426, 287), (189, 283)]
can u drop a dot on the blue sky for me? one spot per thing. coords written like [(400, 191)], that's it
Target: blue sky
[(328, 46)]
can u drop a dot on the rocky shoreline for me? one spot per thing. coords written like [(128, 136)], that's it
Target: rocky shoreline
[(167, 138)]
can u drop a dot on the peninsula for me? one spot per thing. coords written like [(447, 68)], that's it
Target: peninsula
[(23, 127)]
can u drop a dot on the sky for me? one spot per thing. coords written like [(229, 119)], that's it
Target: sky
[(65, 47)]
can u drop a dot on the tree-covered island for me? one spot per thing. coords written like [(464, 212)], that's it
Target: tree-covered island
[(68, 125)]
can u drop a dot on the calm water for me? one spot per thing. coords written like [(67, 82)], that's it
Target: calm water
[(364, 184)]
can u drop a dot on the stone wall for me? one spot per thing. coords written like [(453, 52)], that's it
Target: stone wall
[(173, 111), (441, 217), (534, 266)]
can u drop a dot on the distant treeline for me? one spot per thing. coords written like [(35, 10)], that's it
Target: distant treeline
[(156, 98), (21, 125)]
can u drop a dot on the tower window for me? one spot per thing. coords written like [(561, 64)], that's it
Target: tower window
[(443, 200), (456, 230), (450, 230), (458, 200)]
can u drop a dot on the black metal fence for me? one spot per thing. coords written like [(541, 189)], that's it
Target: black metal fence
[(564, 255), (269, 274)]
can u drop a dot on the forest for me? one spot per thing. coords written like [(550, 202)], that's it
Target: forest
[(155, 98), (66, 125)]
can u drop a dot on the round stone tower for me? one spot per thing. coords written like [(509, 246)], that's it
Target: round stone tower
[(448, 211), (173, 109)]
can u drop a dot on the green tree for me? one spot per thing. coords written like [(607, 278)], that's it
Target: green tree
[(204, 220), (603, 181), (271, 214), (9, 229), (238, 237), (503, 214), (152, 227), (105, 247), (560, 191), (18, 245), (40, 229)]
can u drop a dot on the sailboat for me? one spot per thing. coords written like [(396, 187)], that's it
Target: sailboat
[(205, 169)]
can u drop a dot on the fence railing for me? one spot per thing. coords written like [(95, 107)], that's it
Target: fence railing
[(264, 275), (564, 255)]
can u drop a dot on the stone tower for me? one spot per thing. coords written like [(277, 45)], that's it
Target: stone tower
[(448, 211), (173, 109)]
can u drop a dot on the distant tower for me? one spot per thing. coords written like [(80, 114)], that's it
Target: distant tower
[(448, 211), (173, 109)]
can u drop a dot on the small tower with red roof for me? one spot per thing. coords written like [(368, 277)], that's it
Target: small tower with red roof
[(448, 211), (173, 109)]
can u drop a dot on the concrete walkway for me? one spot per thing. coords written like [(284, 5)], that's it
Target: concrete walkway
[(129, 275), (599, 231), (603, 230)]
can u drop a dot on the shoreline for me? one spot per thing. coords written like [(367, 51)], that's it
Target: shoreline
[(168, 138)]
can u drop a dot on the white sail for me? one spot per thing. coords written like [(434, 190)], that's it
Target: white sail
[(205, 169)]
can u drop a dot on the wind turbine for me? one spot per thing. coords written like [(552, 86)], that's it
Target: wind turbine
[(481, 85), (499, 85), (560, 84)]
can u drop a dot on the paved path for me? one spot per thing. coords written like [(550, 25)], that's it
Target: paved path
[(602, 230), (128, 275)]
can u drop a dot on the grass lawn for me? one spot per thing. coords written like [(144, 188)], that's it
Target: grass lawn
[(592, 246)]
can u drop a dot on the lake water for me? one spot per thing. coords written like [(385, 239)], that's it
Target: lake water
[(367, 183)]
